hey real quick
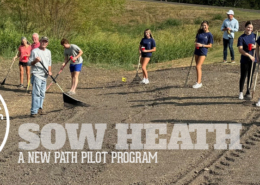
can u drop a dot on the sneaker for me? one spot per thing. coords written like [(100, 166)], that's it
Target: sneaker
[(33, 115), (20, 86), (41, 112), (233, 61), (143, 81), (72, 93), (241, 96), (248, 96), (224, 61), (197, 85), (258, 103), (146, 81)]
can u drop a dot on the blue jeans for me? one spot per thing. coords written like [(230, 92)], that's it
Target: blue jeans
[(38, 93), (228, 43)]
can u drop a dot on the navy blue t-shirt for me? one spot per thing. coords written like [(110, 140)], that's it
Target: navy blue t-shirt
[(148, 44), (244, 40), (203, 38)]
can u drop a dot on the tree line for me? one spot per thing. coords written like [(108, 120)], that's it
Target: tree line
[(247, 4)]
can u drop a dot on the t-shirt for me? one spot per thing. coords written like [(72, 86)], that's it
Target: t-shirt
[(73, 50), (25, 52), (205, 39), (233, 25), (37, 69), (148, 44), (244, 40), (35, 45)]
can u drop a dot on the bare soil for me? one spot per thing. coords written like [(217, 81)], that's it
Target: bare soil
[(256, 24), (163, 101)]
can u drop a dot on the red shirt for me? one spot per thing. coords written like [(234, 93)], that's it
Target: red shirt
[(35, 45), (25, 53)]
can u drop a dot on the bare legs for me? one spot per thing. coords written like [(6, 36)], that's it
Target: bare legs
[(74, 81), (199, 61), (144, 62), (22, 72)]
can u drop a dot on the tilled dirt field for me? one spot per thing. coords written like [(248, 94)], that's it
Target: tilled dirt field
[(163, 101)]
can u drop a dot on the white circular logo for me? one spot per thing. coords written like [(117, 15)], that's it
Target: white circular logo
[(4, 111)]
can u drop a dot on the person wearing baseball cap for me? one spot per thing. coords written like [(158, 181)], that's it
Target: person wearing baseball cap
[(230, 26), (39, 76)]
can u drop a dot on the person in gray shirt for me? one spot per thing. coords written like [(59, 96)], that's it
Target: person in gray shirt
[(72, 50), (39, 76)]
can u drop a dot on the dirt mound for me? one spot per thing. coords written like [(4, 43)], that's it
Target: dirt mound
[(256, 24)]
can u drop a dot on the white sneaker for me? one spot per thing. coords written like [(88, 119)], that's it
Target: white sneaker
[(197, 85), (241, 96), (258, 103), (146, 81), (143, 81)]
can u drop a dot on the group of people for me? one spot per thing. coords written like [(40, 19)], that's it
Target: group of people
[(31, 55), (36, 58), (204, 40), (248, 46)]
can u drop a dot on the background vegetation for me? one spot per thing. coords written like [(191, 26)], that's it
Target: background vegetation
[(250, 4), (109, 31)]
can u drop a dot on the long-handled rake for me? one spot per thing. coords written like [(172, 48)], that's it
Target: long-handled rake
[(9, 70), (59, 73), (28, 85), (186, 81), (137, 78), (256, 75), (249, 85), (66, 98)]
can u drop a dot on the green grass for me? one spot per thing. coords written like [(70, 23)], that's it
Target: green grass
[(114, 43)]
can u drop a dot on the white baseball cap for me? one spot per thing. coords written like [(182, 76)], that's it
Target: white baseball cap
[(230, 12)]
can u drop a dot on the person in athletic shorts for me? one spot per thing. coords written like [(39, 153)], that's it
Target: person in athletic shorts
[(204, 40), (24, 52), (146, 47), (75, 64)]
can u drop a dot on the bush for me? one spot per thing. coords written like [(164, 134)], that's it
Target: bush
[(198, 20), (218, 17)]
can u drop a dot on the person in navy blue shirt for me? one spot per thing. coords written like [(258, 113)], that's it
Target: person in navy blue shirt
[(204, 40), (146, 47), (247, 58)]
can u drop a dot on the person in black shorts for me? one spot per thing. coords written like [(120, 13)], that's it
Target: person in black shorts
[(146, 47), (204, 40), (24, 54)]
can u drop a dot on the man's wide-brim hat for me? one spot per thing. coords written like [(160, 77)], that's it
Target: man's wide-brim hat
[(230, 12)]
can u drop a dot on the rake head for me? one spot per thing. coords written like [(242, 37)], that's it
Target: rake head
[(136, 79), (3, 82)]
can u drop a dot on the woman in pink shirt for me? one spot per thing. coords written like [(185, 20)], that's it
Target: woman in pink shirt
[(24, 54)]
